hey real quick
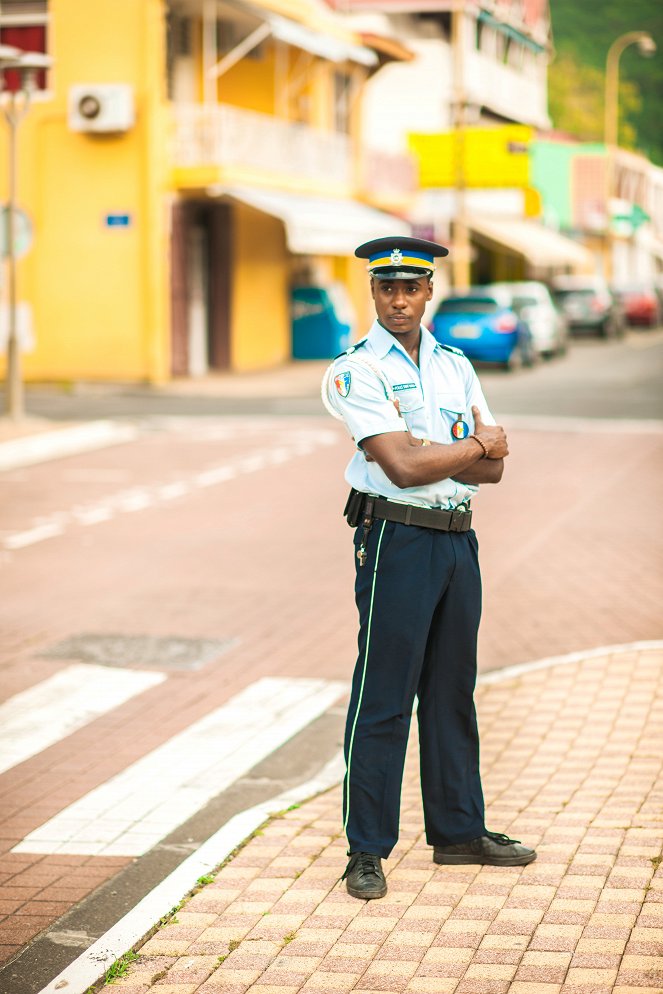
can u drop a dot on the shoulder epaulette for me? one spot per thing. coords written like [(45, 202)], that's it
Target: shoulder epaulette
[(353, 348), (450, 348)]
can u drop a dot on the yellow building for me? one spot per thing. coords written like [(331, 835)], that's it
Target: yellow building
[(185, 164)]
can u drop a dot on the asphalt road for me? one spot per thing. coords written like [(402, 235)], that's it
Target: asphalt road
[(596, 379), (227, 530)]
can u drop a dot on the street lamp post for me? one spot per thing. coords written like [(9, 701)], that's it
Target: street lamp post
[(15, 105), (647, 47)]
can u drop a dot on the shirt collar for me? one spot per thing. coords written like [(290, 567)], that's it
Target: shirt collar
[(382, 343), (428, 346)]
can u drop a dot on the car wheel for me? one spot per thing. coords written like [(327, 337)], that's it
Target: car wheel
[(515, 360)]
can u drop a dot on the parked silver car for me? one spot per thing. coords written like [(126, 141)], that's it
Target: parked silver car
[(533, 303)]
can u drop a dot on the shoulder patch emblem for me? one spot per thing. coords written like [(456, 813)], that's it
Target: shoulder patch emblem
[(342, 383)]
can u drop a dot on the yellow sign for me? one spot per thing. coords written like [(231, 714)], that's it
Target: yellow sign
[(479, 157)]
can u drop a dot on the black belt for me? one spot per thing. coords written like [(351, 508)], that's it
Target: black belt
[(458, 520)]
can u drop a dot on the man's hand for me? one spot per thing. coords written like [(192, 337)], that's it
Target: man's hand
[(492, 436)]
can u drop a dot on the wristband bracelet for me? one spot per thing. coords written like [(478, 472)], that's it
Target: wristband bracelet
[(485, 450)]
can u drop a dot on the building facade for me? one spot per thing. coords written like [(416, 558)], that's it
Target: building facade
[(184, 165), (469, 107)]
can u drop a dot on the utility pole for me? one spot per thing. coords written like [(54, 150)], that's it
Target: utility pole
[(15, 106)]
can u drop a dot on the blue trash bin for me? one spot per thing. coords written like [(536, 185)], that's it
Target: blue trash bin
[(317, 331)]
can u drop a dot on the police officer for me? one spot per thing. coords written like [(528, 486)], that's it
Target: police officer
[(425, 441)]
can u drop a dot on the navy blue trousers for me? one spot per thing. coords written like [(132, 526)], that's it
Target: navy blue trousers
[(419, 602)]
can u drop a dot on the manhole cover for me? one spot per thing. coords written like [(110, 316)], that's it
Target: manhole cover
[(143, 651)]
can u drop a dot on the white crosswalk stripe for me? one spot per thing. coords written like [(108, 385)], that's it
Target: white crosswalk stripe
[(39, 717), (133, 811), (301, 443)]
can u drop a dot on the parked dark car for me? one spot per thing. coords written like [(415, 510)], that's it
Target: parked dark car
[(482, 322), (588, 304), (641, 304)]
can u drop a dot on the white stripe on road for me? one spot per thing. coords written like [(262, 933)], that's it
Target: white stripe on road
[(134, 810), (303, 442), (37, 534), (37, 718), (61, 442)]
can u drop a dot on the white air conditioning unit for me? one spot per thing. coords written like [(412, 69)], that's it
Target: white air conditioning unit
[(101, 107)]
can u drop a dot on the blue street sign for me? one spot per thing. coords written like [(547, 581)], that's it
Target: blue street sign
[(118, 220)]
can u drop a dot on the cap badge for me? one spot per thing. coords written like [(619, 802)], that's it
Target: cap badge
[(396, 257)]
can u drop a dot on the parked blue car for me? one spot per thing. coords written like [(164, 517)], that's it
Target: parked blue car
[(482, 322)]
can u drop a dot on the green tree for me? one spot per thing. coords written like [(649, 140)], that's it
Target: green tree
[(584, 30), (575, 100)]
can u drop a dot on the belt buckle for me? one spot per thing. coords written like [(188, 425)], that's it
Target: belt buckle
[(459, 520)]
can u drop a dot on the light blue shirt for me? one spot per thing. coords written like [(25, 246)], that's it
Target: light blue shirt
[(432, 396)]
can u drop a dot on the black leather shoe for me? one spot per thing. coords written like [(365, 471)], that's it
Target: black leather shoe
[(493, 849), (364, 877)]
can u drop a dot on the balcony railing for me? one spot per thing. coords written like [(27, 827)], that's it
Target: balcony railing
[(507, 90), (221, 135)]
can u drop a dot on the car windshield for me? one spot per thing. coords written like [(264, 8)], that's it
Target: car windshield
[(468, 305), (575, 294), (520, 302)]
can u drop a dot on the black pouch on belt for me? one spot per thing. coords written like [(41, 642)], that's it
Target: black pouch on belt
[(354, 507)]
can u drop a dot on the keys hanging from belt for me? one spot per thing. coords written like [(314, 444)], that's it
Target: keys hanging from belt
[(367, 524)]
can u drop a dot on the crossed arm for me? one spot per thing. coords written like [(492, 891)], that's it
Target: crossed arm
[(408, 463)]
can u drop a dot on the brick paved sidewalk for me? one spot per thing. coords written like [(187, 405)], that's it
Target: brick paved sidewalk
[(572, 764)]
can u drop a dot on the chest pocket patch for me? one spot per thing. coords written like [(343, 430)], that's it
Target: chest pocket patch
[(451, 407), (408, 396)]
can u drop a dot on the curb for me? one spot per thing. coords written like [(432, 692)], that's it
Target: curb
[(60, 442)]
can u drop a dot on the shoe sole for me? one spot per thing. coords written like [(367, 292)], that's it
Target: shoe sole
[(364, 896), (445, 859)]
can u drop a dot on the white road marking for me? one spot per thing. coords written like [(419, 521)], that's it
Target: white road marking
[(37, 718), (61, 442), (302, 443), (37, 534), (134, 810), (170, 491), (132, 500), (92, 515), (92, 964)]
